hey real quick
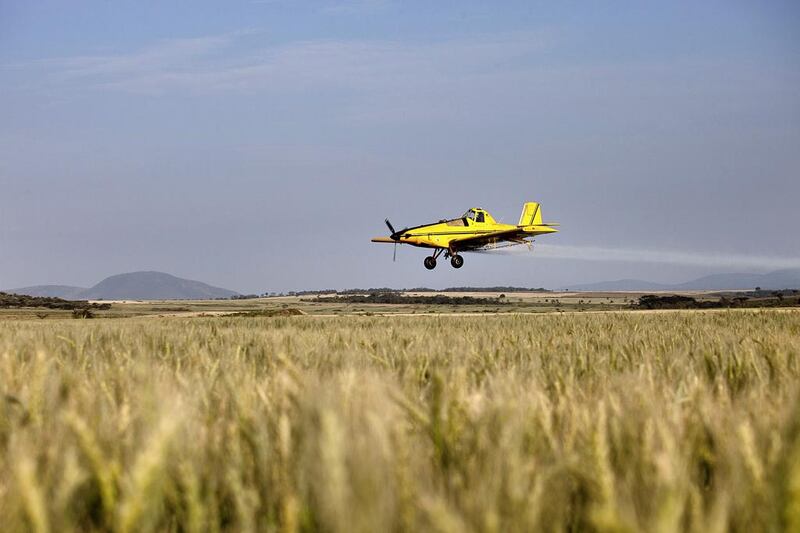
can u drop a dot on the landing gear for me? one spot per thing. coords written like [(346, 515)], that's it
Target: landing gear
[(457, 261), (430, 261)]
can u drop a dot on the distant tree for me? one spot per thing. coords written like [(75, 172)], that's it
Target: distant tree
[(758, 288)]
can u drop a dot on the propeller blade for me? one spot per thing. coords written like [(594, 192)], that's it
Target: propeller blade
[(394, 254), (389, 224)]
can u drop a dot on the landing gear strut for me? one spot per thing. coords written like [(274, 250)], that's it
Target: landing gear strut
[(430, 261)]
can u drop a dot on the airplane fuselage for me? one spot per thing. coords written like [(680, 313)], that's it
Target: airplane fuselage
[(475, 230)]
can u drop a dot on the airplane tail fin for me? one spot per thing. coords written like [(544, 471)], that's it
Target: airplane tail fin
[(531, 215)]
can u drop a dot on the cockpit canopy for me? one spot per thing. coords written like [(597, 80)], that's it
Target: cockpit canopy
[(476, 214)]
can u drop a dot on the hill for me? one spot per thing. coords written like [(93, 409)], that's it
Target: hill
[(67, 292), (779, 279), (148, 285)]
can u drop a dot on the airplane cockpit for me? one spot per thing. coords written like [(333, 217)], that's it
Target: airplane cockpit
[(476, 215)]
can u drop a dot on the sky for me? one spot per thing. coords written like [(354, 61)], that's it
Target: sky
[(259, 145)]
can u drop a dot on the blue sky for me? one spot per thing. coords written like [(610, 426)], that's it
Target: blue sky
[(259, 145)]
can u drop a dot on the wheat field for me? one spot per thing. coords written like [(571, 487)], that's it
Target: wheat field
[(683, 421)]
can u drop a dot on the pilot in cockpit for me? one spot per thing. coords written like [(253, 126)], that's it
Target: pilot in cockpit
[(475, 215)]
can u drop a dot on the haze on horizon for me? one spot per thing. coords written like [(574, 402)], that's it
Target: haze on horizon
[(259, 145)]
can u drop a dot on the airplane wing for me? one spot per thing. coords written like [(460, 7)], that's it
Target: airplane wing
[(479, 241)]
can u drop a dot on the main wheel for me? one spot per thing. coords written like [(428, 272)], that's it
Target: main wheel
[(430, 263), (457, 261)]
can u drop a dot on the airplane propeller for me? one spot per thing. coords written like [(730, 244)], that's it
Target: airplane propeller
[(395, 236), (391, 228)]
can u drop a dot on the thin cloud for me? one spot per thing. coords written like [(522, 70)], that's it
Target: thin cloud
[(490, 78), (222, 63), (163, 55), (167, 56)]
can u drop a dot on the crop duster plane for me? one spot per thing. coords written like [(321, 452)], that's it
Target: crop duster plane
[(474, 231)]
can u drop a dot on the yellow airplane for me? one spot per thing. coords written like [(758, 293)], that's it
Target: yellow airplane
[(475, 230)]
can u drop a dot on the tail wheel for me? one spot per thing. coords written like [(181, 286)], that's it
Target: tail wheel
[(430, 263), (457, 261)]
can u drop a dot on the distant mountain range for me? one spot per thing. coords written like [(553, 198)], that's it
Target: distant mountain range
[(147, 285), (152, 285), (778, 279), (66, 292)]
